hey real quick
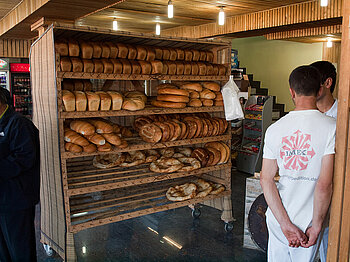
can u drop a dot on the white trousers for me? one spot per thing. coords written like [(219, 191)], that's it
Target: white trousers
[(278, 249)]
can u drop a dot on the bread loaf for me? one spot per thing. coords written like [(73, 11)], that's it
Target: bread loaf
[(117, 100), (96, 139), (87, 85), (207, 94), (104, 148), (194, 69), (146, 67), (113, 139), (202, 69), (218, 96), (196, 55), (107, 66), (179, 68), (122, 50), (90, 148), (215, 70), (194, 94), (207, 102), (113, 50), (126, 66), (173, 91), (86, 50), (73, 47), (98, 66), (180, 54), (141, 53), (133, 104), (202, 55), (117, 66), (136, 94), (192, 86), (165, 69), (101, 126), (210, 56), (97, 50), (166, 53), (66, 64), (151, 54), (210, 69), (61, 47), (222, 70), (132, 52), (157, 67), (73, 137), (150, 133), (82, 127), (211, 86), (218, 103), (171, 67), (187, 68), (106, 51), (195, 103), (80, 101), (88, 66), (188, 55), (168, 104), (173, 54), (93, 101), (136, 68), (173, 98), (68, 84), (68, 101), (78, 85), (73, 148), (105, 100), (159, 53)]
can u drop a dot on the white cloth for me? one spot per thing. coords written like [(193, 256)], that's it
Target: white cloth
[(332, 112), (298, 141), (279, 251)]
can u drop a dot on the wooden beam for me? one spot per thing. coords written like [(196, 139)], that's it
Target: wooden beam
[(297, 14), (16, 48), (339, 229)]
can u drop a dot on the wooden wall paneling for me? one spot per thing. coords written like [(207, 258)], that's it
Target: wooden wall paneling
[(339, 231), (16, 48)]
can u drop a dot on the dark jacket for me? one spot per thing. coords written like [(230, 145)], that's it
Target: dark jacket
[(19, 162)]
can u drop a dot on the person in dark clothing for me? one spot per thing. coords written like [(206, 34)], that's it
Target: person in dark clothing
[(19, 184)]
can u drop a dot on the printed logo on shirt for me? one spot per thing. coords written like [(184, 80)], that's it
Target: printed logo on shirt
[(296, 151)]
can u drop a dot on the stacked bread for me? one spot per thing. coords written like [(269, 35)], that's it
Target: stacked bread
[(197, 188), (164, 128), (94, 134), (102, 101), (192, 94), (118, 58)]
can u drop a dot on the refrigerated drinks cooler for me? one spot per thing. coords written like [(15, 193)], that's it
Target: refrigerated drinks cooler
[(20, 89), (4, 73)]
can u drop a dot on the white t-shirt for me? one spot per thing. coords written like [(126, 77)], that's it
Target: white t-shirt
[(298, 141), (332, 112)]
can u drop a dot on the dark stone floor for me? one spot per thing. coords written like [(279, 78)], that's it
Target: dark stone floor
[(167, 236)]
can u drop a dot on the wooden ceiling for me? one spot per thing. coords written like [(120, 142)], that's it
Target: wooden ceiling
[(7, 5), (141, 16)]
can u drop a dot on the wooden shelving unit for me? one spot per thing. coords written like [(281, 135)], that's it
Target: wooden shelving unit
[(76, 195)]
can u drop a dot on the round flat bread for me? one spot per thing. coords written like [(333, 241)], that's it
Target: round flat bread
[(108, 161), (203, 188), (181, 192)]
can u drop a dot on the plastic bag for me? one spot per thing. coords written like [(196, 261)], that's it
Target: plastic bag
[(233, 108)]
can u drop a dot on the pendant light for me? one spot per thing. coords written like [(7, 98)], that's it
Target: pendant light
[(324, 2), (170, 9), (157, 29), (115, 24), (221, 16), (329, 43)]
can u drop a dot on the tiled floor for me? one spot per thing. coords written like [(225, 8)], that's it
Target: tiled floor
[(168, 236)]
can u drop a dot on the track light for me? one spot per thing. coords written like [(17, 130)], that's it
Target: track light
[(170, 9), (221, 16), (329, 43), (157, 29), (115, 24), (324, 2)]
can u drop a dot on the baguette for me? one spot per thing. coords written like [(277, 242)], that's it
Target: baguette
[(207, 94), (96, 139), (192, 86), (113, 139), (168, 104), (90, 148), (82, 127), (101, 126), (173, 98), (105, 148), (211, 86), (173, 91), (73, 137), (73, 148)]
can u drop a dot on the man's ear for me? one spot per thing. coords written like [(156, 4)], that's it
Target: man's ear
[(328, 83), (292, 93)]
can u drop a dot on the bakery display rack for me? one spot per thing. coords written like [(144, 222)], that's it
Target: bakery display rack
[(74, 194)]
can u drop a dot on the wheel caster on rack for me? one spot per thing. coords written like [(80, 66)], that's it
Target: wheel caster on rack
[(196, 213), (48, 250), (228, 226)]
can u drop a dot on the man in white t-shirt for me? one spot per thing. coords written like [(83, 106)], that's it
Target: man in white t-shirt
[(329, 106), (301, 147)]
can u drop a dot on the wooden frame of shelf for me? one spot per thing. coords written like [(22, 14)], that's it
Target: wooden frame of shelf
[(63, 180)]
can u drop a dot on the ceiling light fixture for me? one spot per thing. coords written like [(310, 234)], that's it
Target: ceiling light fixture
[(221, 16), (329, 43), (170, 9), (157, 29), (324, 2), (115, 24)]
